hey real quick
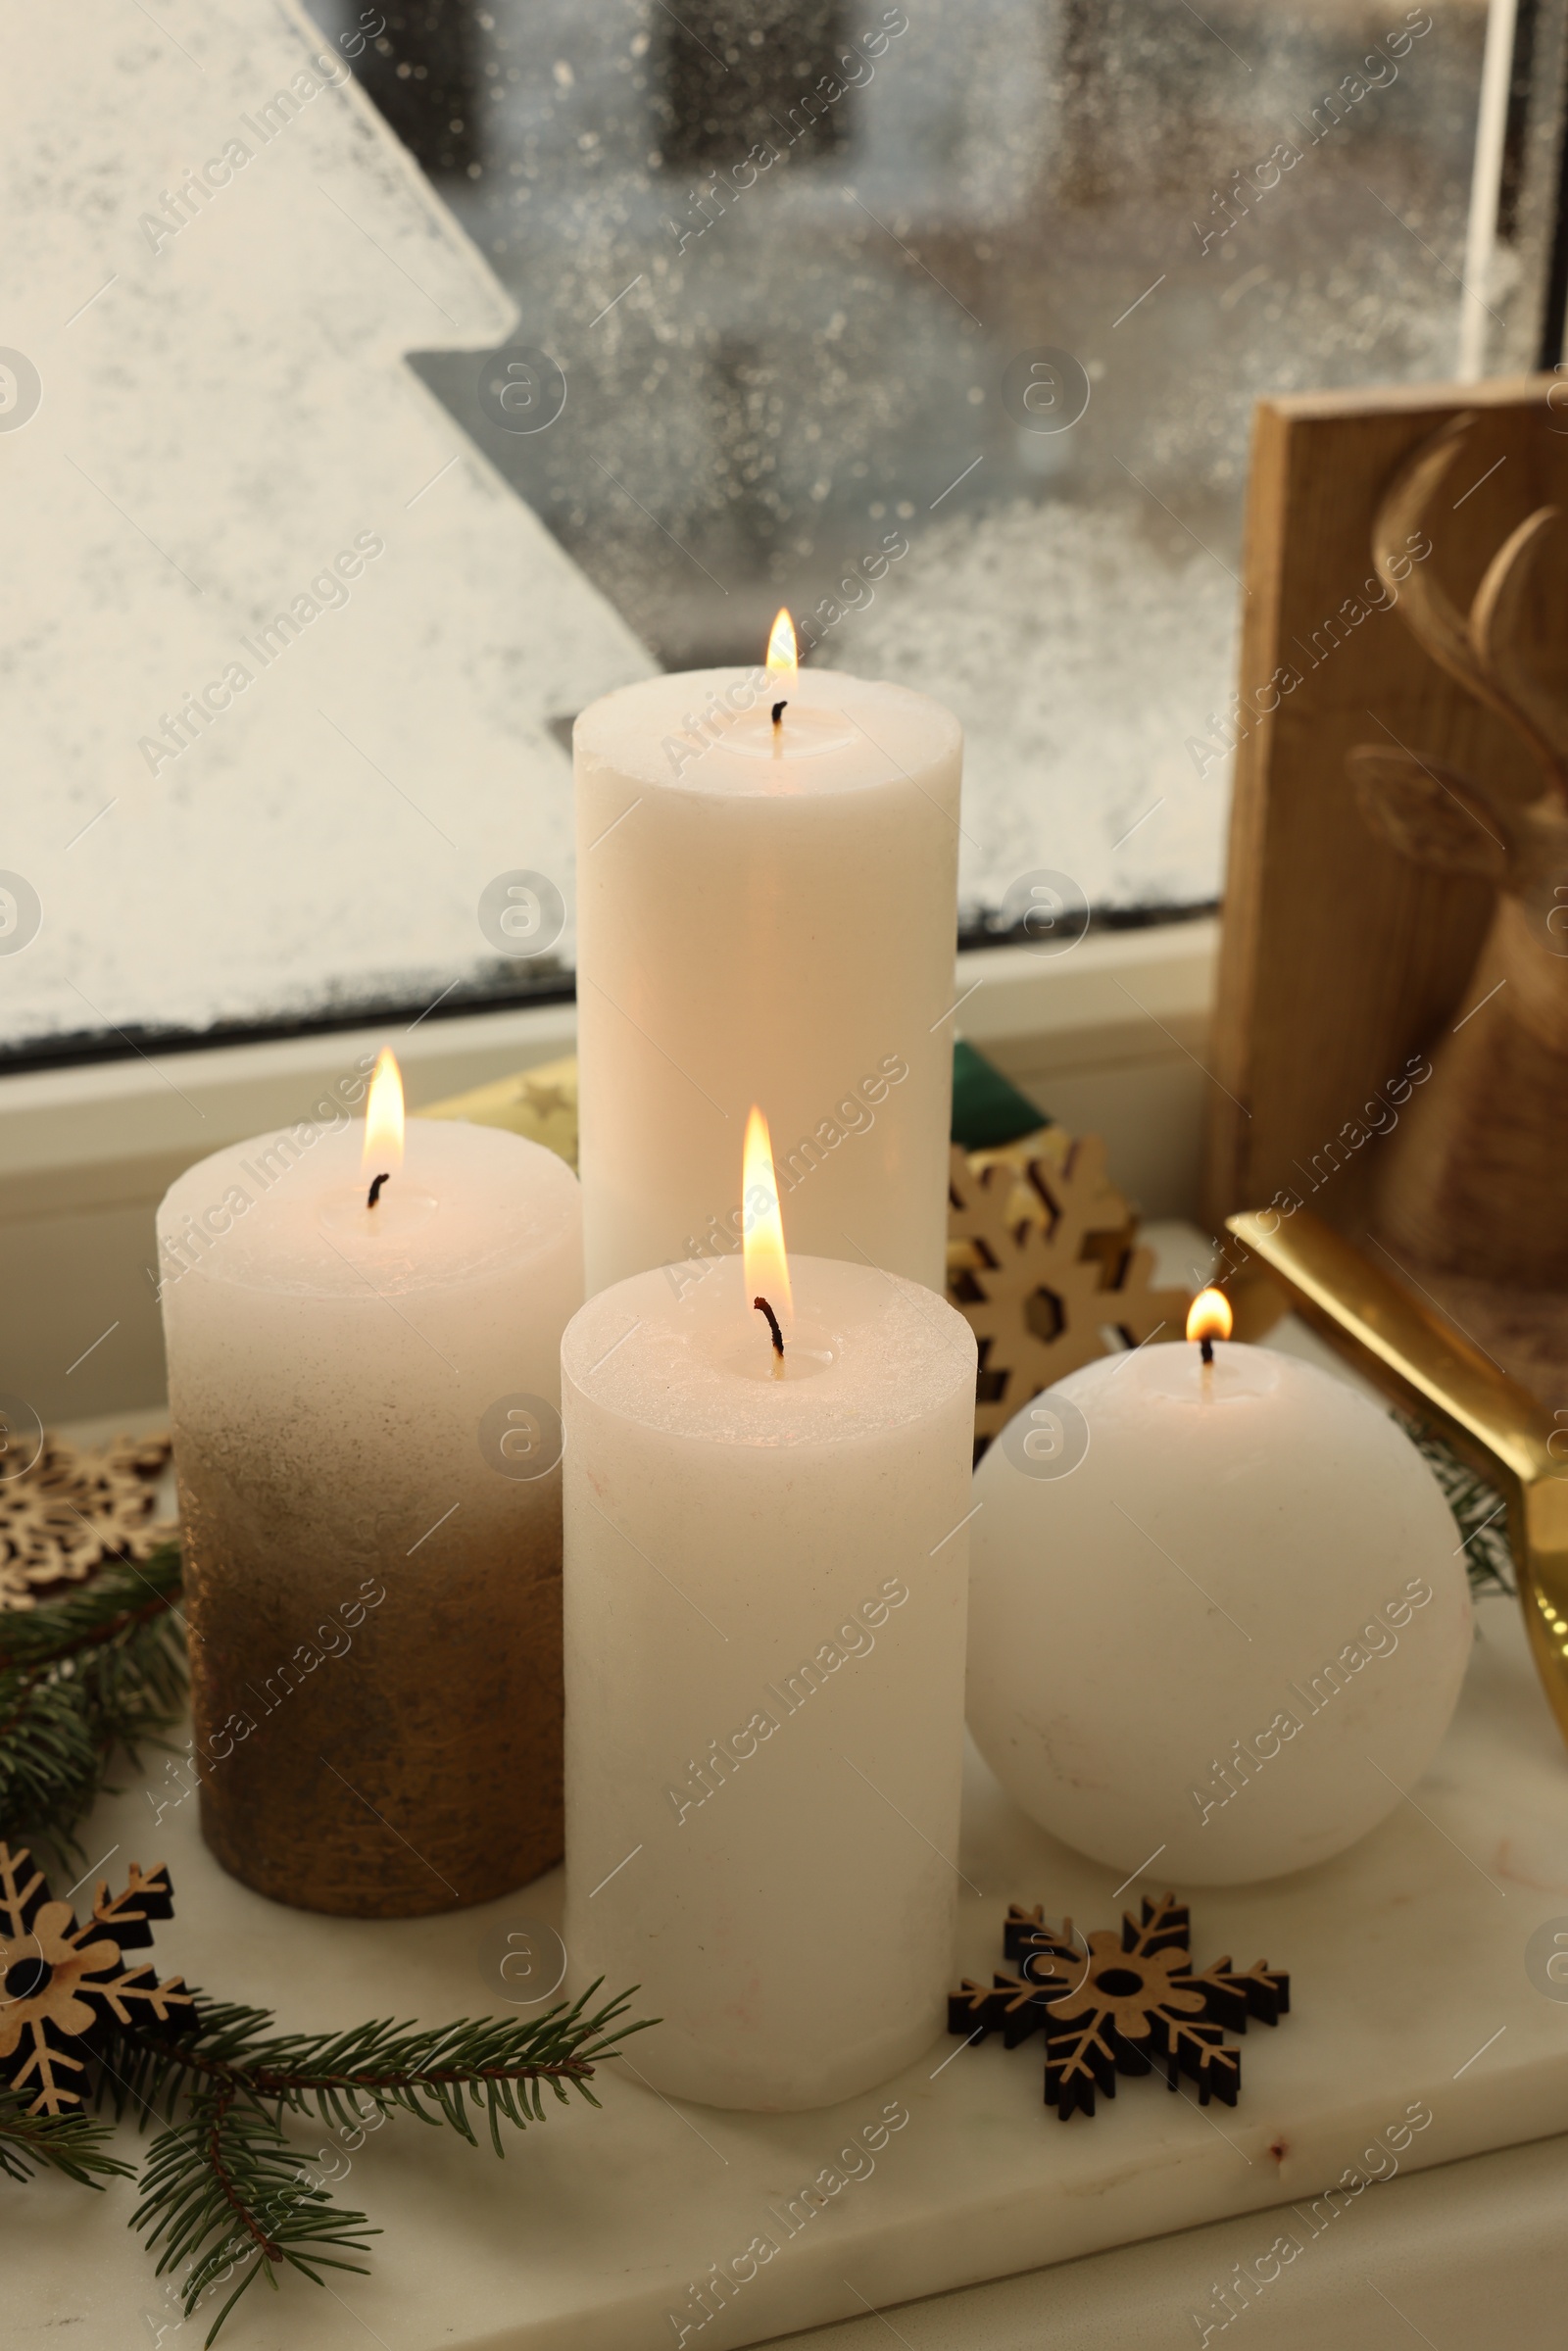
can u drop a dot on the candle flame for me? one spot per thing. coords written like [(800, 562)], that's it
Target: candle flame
[(1209, 1315), (766, 1266), (782, 657), (383, 1117)]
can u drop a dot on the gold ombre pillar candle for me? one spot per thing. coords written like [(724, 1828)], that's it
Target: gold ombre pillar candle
[(363, 1350)]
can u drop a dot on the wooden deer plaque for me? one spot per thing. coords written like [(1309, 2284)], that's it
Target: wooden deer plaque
[(1391, 1044)]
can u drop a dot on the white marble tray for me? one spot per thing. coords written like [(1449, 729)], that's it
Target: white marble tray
[(1407, 1958)]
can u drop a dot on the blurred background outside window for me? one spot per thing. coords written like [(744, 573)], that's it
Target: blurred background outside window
[(943, 326)]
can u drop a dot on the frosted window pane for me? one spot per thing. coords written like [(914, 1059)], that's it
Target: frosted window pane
[(796, 260), (1199, 208)]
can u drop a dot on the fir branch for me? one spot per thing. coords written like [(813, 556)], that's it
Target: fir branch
[(50, 1764), (145, 2074), (72, 2143), (122, 1594), (224, 2189), (218, 2187), (1478, 1510), (434, 2072), (82, 1679)]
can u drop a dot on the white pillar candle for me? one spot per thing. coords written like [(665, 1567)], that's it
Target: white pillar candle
[(358, 1397), (764, 1628), (765, 913), (1219, 1616)]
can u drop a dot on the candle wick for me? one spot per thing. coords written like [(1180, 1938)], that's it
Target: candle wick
[(762, 1307), (1206, 1349), (376, 1189), (779, 709)]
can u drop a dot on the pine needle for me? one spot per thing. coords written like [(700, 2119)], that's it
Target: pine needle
[(97, 1673), (224, 2190), (224, 2193), (74, 2144), (1478, 1510), (223, 2187)]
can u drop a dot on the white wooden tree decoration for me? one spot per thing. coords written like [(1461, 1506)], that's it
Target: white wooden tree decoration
[(284, 650)]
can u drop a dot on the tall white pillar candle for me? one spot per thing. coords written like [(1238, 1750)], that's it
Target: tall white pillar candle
[(364, 1406), (765, 1592), (765, 913)]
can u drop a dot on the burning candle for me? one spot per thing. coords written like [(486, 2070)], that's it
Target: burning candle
[(1208, 1318), (766, 1504), (767, 906), (1220, 1615), (362, 1349)]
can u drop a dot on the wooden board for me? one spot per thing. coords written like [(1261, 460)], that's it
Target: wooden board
[(1339, 958)]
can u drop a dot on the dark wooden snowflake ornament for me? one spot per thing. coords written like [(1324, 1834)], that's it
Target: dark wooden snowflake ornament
[(1120, 2004), (62, 1985)]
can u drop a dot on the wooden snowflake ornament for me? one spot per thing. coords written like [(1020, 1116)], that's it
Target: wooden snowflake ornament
[(70, 1511), (1043, 1265), (1120, 2004), (62, 1985)]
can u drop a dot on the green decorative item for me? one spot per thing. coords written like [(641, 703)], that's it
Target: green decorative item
[(988, 1109)]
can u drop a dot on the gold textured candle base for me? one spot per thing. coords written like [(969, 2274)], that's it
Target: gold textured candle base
[(378, 1732), (1419, 1359)]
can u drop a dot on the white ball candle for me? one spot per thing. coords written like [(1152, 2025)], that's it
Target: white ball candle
[(766, 1585), (365, 1408), (765, 913), (1219, 1617)]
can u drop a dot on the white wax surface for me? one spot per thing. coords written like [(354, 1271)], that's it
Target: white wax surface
[(769, 929), (365, 1345), (1236, 1553), (736, 1547)]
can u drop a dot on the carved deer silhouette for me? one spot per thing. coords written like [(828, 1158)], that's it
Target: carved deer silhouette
[(1476, 1180)]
